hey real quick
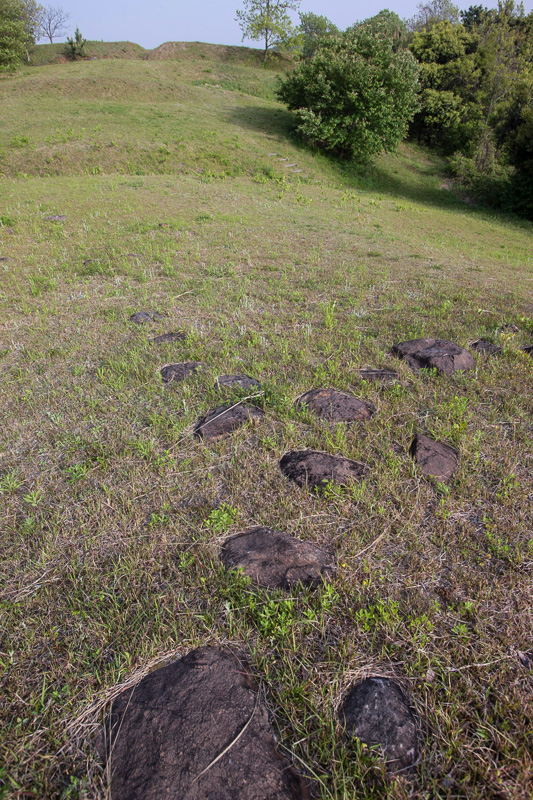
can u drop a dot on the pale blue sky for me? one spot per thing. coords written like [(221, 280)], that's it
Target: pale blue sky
[(152, 23)]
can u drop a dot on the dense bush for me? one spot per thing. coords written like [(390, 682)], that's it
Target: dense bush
[(16, 31), (356, 95)]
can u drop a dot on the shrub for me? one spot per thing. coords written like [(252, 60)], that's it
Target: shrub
[(75, 48), (355, 96)]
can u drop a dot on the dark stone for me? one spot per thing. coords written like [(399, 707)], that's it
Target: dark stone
[(140, 317), (336, 406), (277, 560), (3, 258), (487, 348), (173, 336), (440, 354), (237, 382), (313, 469), (381, 375), (56, 218), (376, 712), (196, 730), (435, 459), (225, 419), (178, 372)]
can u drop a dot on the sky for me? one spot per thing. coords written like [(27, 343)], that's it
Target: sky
[(210, 21)]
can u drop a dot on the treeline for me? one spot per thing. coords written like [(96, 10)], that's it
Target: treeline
[(475, 90)]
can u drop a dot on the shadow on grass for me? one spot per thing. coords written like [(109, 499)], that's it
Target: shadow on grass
[(404, 177)]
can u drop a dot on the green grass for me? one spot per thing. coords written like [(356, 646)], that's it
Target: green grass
[(112, 514)]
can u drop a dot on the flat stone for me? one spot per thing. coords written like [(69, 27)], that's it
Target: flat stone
[(336, 406), (376, 712), (237, 382), (56, 218), (434, 459), (439, 354), (277, 560), (225, 419), (487, 348), (378, 375), (140, 317), (173, 336), (197, 730), (313, 468), (178, 372)]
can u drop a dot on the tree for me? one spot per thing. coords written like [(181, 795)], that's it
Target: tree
[(391, 23), (474, 17), (13, 36), (32, 13), (268, 21), (449, 116), (19, 27), (432, 12), (313, 28), (75, 47), (53, 22), (355, 96)]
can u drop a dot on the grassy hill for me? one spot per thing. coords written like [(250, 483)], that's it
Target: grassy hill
[(182, 191), (51, 53)]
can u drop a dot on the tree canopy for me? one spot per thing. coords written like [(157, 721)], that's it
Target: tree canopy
[(356, 95), (269, 21), (20, 22)]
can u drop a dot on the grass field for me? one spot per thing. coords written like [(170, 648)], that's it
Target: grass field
[(176, 199)]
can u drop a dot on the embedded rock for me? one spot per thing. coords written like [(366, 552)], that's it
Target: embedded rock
[(376, 712), (56, 218), (435, 459), (378, 375), (313, 468), (277, 560), (237, 382), (444, 356), (173, 336), (336, 406), (487, 348), (140, 317), (178, 372), (196, 730), (225, 419)]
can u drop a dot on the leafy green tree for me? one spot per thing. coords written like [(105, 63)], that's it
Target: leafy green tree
[(313, 28), (474, 17), (75, 47), (449, 116), (391, 23), (355, 96), (15, 36), (269, 21)]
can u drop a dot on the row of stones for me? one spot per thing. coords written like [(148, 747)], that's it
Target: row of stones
[(313, 468), (203, 712)]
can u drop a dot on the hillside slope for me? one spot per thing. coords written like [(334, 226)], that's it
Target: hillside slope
[(175, 186)]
